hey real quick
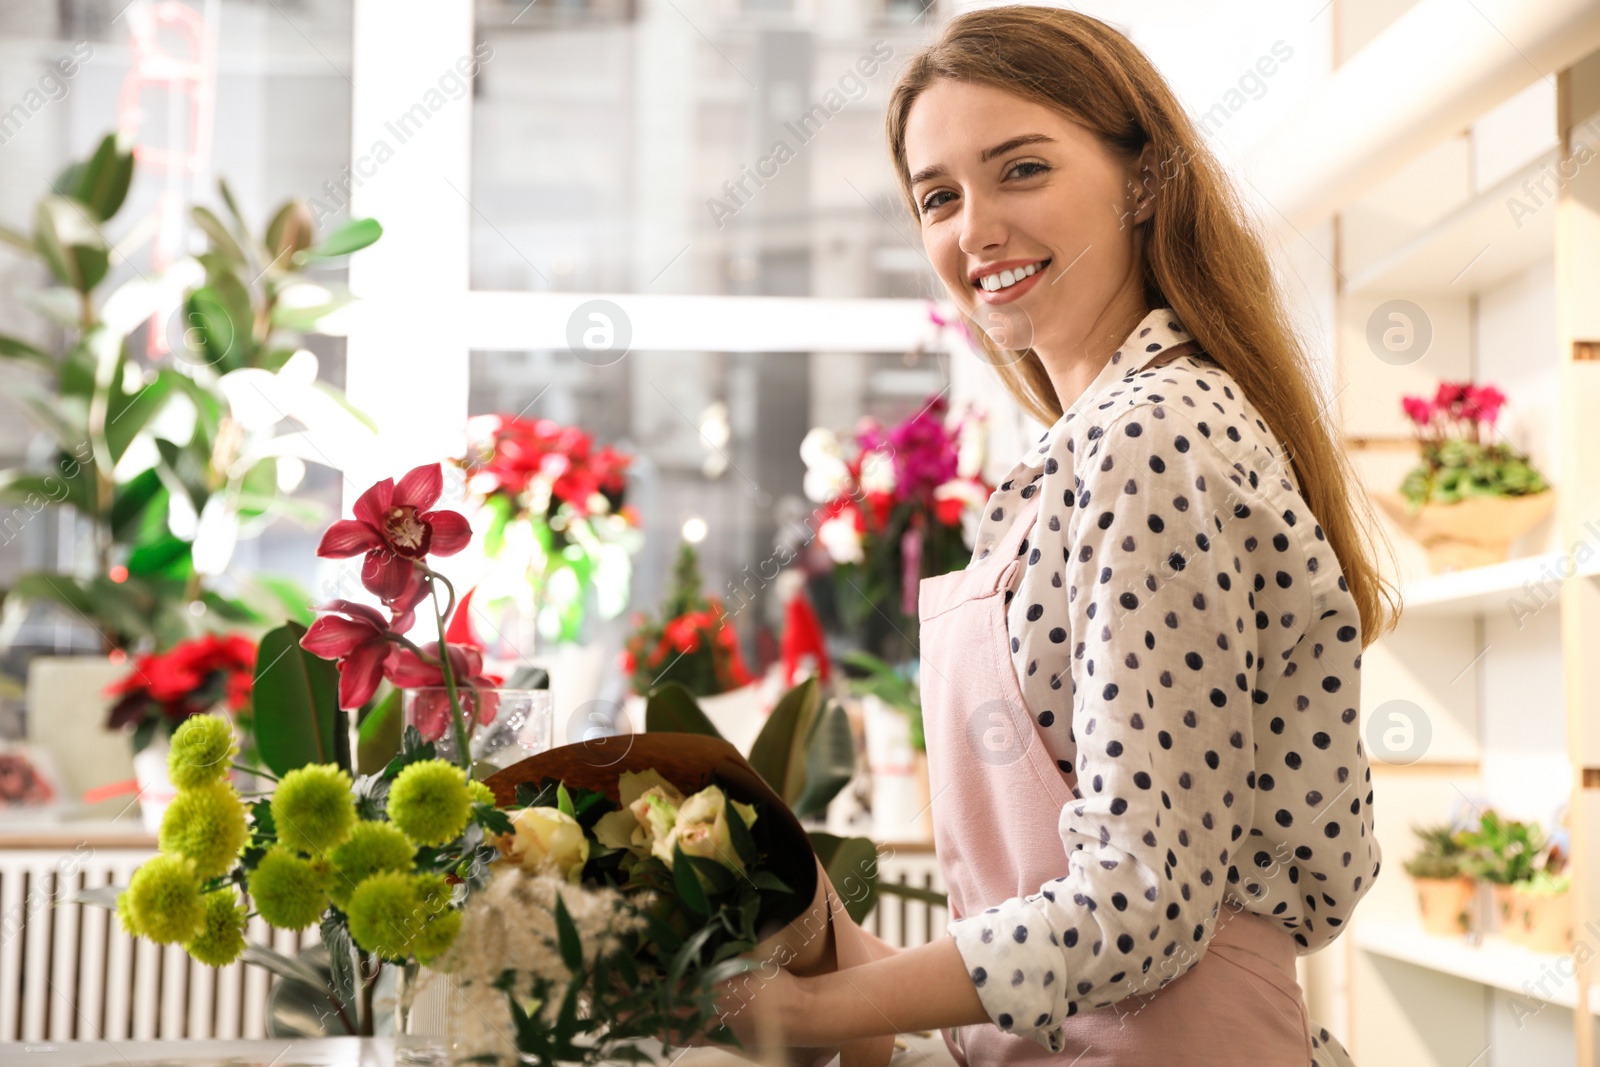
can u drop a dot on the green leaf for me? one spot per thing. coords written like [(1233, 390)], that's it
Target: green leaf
[(68, 237), (17, 239), (130, 501), (830, 760), (778, 753), (342, 961), (351, 237), (164, 558), (564, 801), (687, 883), (852, 866), (567, 933), (128, 414), (296, 701), (378, 736), (671, 709), (221, 319), (220, 238), (21, 351), (285, 967), (719, 875), (102, 183), (744, 845)]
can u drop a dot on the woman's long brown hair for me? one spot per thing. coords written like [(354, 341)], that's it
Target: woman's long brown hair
[(1203, 257)]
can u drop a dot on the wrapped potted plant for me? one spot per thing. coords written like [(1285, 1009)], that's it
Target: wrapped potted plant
[(1445, 891), (694, 645), (1471, 495), (1503, 852)]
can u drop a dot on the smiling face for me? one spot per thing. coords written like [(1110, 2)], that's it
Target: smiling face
[(1053, 206)]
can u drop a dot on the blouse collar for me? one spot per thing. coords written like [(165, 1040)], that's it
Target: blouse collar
[(1157, 331)]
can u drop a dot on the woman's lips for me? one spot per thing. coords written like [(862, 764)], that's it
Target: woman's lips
[(1013, 292)]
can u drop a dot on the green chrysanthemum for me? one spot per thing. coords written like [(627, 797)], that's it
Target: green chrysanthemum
[(430, 803), (289, 891), (386, 913), (314, 808), (164, 900), (130, 925), (205, 823), (480, 793), (202, 750), (436, 935), (373, 847), (221, 938)]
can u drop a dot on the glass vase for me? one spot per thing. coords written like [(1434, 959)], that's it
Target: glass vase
[(503, 726)]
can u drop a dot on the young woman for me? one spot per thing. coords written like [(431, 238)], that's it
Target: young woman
[(1141, 698)]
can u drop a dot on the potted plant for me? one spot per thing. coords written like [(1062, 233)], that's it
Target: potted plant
[(1471, 495), (164, 444), (213, 672), (897, 751), (166, 448), (1541, 910), (1541, 905), (694, 645), (899, 504), (1503, 852), (1445, 890)]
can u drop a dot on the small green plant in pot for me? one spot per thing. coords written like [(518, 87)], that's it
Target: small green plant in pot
[(1503, 852), (1445, 887), (1541, 906)]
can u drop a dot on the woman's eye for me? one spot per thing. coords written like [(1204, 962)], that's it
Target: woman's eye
[(1034, 169)]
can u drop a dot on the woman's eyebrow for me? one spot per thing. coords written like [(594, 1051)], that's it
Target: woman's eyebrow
[(987, 154)]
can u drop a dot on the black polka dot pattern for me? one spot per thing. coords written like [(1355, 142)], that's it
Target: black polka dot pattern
[(1187, 645)]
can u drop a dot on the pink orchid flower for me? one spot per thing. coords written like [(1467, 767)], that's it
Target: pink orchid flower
[(395, 528), (357, 636)]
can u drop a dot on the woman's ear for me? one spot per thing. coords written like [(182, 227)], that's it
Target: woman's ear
[(1144, 182)]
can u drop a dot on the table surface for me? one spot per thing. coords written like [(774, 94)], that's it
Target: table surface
[(921, 1051)]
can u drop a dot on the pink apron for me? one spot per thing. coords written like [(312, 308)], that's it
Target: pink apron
[(1241, 1004)]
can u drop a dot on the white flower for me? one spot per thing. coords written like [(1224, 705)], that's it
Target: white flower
[(877, 472), (826, 472), (839, 536)]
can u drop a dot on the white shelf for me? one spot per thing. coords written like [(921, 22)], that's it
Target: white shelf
[(1494, 963), (1480, 590), (1474, 247)]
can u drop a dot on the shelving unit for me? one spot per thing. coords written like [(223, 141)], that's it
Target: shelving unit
[(1497, 664)]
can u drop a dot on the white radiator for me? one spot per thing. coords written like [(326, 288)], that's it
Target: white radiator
[(69, 973)]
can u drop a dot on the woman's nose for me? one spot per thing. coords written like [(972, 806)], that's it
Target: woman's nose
[(982, 228)]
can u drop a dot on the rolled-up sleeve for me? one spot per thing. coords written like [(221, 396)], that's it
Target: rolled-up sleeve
[(1154, 624)]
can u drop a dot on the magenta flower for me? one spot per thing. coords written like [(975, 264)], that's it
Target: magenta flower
[(357, 636), (1483, 404), (1417, 409), (394, 527)]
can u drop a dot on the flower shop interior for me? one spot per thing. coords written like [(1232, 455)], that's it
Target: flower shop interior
[(398, 390)]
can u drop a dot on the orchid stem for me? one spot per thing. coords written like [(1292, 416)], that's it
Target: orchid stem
[(457, 722)]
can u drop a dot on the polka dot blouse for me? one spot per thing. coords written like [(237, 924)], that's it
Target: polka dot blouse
[(1185, 640)]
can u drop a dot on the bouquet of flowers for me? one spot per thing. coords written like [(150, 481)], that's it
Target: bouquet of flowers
[(583, 903), (165, 689), (555, 515), (1460, 458), (901, 504), (694, 644)]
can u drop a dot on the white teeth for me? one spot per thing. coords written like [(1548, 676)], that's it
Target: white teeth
[(1007, 278)]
